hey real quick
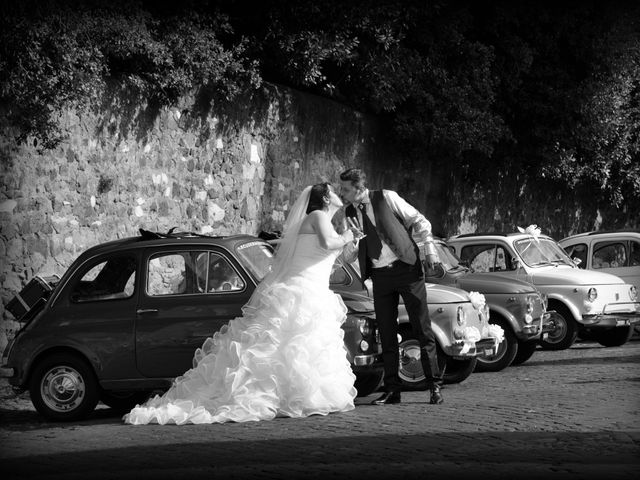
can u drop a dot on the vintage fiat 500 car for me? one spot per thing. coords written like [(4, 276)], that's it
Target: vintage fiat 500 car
[(128, 315), (616, 252), (581, 299), (514, 305), (460, 327)]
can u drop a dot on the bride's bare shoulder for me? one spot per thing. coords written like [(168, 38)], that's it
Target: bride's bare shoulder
[(311, 221)]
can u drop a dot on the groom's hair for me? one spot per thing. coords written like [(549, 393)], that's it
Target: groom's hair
[(316, 196), (356, 176)]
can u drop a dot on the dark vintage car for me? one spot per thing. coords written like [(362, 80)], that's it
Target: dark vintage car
[(452, 313), (127, 316), (516, 306)]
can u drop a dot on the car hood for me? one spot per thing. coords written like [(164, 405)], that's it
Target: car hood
[(444, 294), (492, 283), (572, 276)]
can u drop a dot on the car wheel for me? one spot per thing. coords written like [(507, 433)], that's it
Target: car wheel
[(614, 337), (525, 351), (454, 370), (123, 401), (410, 368), (63, 388), (565, 331), (507, 351), (369, 382)]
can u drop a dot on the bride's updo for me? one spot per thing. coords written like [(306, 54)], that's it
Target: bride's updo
[(317, 195)]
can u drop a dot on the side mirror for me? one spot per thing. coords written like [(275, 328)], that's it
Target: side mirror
[(576, 260), (515, 262)]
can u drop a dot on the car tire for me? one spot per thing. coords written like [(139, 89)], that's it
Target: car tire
[(614, 337), (123, 401), (410, 368), (63, 388), (525, 351), (507, 351), (566, 330), (369, 382), (454, 370)]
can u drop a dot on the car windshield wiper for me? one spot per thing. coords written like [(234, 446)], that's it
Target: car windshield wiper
[(539, 264)]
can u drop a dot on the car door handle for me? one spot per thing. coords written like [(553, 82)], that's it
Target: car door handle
[(140, 311)]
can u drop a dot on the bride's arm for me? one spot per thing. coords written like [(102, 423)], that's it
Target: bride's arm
[(327, 235)]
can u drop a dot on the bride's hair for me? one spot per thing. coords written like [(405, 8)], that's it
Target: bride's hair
[(316, 197)]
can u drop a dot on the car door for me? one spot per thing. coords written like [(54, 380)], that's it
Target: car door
[(97, 312), (619, 257), (187, 294)]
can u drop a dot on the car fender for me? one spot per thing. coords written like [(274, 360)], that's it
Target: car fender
[(70, 346), (566, 301), (505, 314)]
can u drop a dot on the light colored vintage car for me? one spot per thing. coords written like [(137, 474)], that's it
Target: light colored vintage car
[(453, 316), (600, 303), (516, 306), (616, 252)]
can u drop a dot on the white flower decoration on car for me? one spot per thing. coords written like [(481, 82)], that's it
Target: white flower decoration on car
[(477, 300), (532, 230), (470, 336), (493, 331)]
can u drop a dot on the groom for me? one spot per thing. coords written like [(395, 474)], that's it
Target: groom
[(391, 258)]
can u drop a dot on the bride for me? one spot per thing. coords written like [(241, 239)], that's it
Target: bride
[(285, 356)]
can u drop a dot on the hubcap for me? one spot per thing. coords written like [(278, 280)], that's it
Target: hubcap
[(410, 367), (559, 330), (62, 388)]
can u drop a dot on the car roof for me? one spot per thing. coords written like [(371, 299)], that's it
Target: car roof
[(597, 233), (156, 239), (492, 234)]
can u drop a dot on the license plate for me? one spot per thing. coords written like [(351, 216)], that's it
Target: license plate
[(620, 323), (545, 336), (488, 351)]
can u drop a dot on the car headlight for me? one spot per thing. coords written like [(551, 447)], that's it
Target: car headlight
[(529, 304), (364, 326), (592, 294), (461, 316), (364, 345), (633, 293), (458, 333)]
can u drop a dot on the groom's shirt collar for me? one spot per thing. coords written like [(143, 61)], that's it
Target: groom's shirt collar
[(365, 199)]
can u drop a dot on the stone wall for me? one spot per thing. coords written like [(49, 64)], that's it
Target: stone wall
[(203, 170)]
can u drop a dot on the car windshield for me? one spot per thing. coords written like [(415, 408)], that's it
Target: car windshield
[(448, 259), (257, 257), (541, 252)]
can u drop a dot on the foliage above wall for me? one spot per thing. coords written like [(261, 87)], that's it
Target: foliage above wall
[(545, 92)]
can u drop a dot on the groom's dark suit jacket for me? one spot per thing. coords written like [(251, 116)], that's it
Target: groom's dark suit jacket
[(391, 231)]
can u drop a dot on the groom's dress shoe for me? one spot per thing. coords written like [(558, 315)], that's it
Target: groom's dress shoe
[(387, 398), (436, 396)]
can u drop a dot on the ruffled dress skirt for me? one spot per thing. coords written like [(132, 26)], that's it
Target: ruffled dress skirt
[(284, 357)]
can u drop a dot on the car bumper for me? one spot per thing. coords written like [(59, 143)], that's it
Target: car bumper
[(366, 360), (485, 346), (614, 315)]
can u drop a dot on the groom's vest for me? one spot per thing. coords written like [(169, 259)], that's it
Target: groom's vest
[(391, 231)]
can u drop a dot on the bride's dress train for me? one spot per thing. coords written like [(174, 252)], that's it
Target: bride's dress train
[(284, 357)]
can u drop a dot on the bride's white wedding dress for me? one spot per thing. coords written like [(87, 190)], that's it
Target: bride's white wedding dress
[(284, 357)]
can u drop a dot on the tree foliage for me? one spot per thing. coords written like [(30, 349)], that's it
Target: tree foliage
[(547, 91)]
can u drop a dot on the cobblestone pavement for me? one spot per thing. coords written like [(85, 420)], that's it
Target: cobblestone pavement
[(572, 414)]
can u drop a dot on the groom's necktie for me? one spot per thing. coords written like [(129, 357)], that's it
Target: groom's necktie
[(374, 245)]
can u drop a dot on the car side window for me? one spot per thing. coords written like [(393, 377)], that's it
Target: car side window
[(481, 258), (221, 276), (167, 274), (338, 275), (634, 253), (579, 251), (110, 279), (609, 255)]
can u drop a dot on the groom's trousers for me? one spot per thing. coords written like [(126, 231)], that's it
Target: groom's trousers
[(389, 284)]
